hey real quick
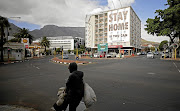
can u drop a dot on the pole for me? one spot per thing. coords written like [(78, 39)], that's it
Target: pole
[(164, 53), (8, 43), (76, 54), (175, 53), (62, 54)]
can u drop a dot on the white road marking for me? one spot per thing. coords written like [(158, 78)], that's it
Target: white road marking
[(175, 64), (37, 67), (179, 70), (176, 67), (151, 73)]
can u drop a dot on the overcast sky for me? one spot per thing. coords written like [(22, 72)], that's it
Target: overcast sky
[(37, 13)]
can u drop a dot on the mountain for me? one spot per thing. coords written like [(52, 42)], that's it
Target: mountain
[(53, 31), (145, 42), (13, 29)]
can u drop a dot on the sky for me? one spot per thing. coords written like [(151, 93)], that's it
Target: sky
[(34, 14)]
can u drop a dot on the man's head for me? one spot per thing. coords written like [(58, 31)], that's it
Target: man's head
[(72, 67)]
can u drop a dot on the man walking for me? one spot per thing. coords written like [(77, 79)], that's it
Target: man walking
[(74, 89)]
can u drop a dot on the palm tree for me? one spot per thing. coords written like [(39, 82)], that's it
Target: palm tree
[(3, 23), (45, 42), (23, 33)]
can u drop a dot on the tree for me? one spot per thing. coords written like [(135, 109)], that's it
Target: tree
[(45, 42), (23, 33), (161, 44), (152, 48), (147, 49), (4, 23), (166, 22)]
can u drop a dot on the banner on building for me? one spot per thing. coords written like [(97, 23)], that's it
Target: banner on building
[(119, 25)]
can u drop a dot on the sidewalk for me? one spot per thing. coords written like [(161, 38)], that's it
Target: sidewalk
[(81, 107), (14, 61), (15, 108), (65, 61), (177, 59)]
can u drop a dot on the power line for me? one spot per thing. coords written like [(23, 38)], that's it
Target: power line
[(120, 3), (113, 4)]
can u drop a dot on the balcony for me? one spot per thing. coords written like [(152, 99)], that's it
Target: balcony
[(100, 36), (101, 17), (101, 27), (101, 32), (101, 22)]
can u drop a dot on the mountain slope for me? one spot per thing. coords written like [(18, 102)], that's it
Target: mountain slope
[(53, 31), (145, 42), (13, 29)]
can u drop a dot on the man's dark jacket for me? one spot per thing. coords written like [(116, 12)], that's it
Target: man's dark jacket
[(75, 85)]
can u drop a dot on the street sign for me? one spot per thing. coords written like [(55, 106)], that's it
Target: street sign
[(165, 46), (175, 45), (103, 47), (77, 58)]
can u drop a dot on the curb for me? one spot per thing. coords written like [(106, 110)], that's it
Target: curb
[(15, 108), (65, 63)]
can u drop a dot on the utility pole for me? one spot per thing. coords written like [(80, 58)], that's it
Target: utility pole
[(76, 51), (62, 53)]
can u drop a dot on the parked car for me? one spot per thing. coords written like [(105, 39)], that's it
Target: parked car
[(166, 54), (156, 53), (111, 54), (96, 55), (65, 56), (139, 53), (150, 55), (143, 53), (102, 55)]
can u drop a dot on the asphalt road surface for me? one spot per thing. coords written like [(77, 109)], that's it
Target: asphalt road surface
[(132, 84)]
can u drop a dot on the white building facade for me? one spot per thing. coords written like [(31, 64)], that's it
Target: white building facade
[(120, 28), (57, 42)]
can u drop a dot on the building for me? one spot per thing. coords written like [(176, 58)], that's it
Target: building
[(119, 28), (57, 42), (80, 40), (14, 51)]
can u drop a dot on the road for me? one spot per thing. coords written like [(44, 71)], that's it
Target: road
[(132, 84)]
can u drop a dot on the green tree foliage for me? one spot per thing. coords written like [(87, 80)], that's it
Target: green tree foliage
[(45, 43), (147, 49), (13, 40), (166, 22), (69, 51), (58, 50), (152, 48), (161, 45), (23, 33), (4, 23)]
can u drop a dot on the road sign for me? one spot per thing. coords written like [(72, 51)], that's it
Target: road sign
[(165, 46), (77, 58), (175, 45), (103, 47)]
